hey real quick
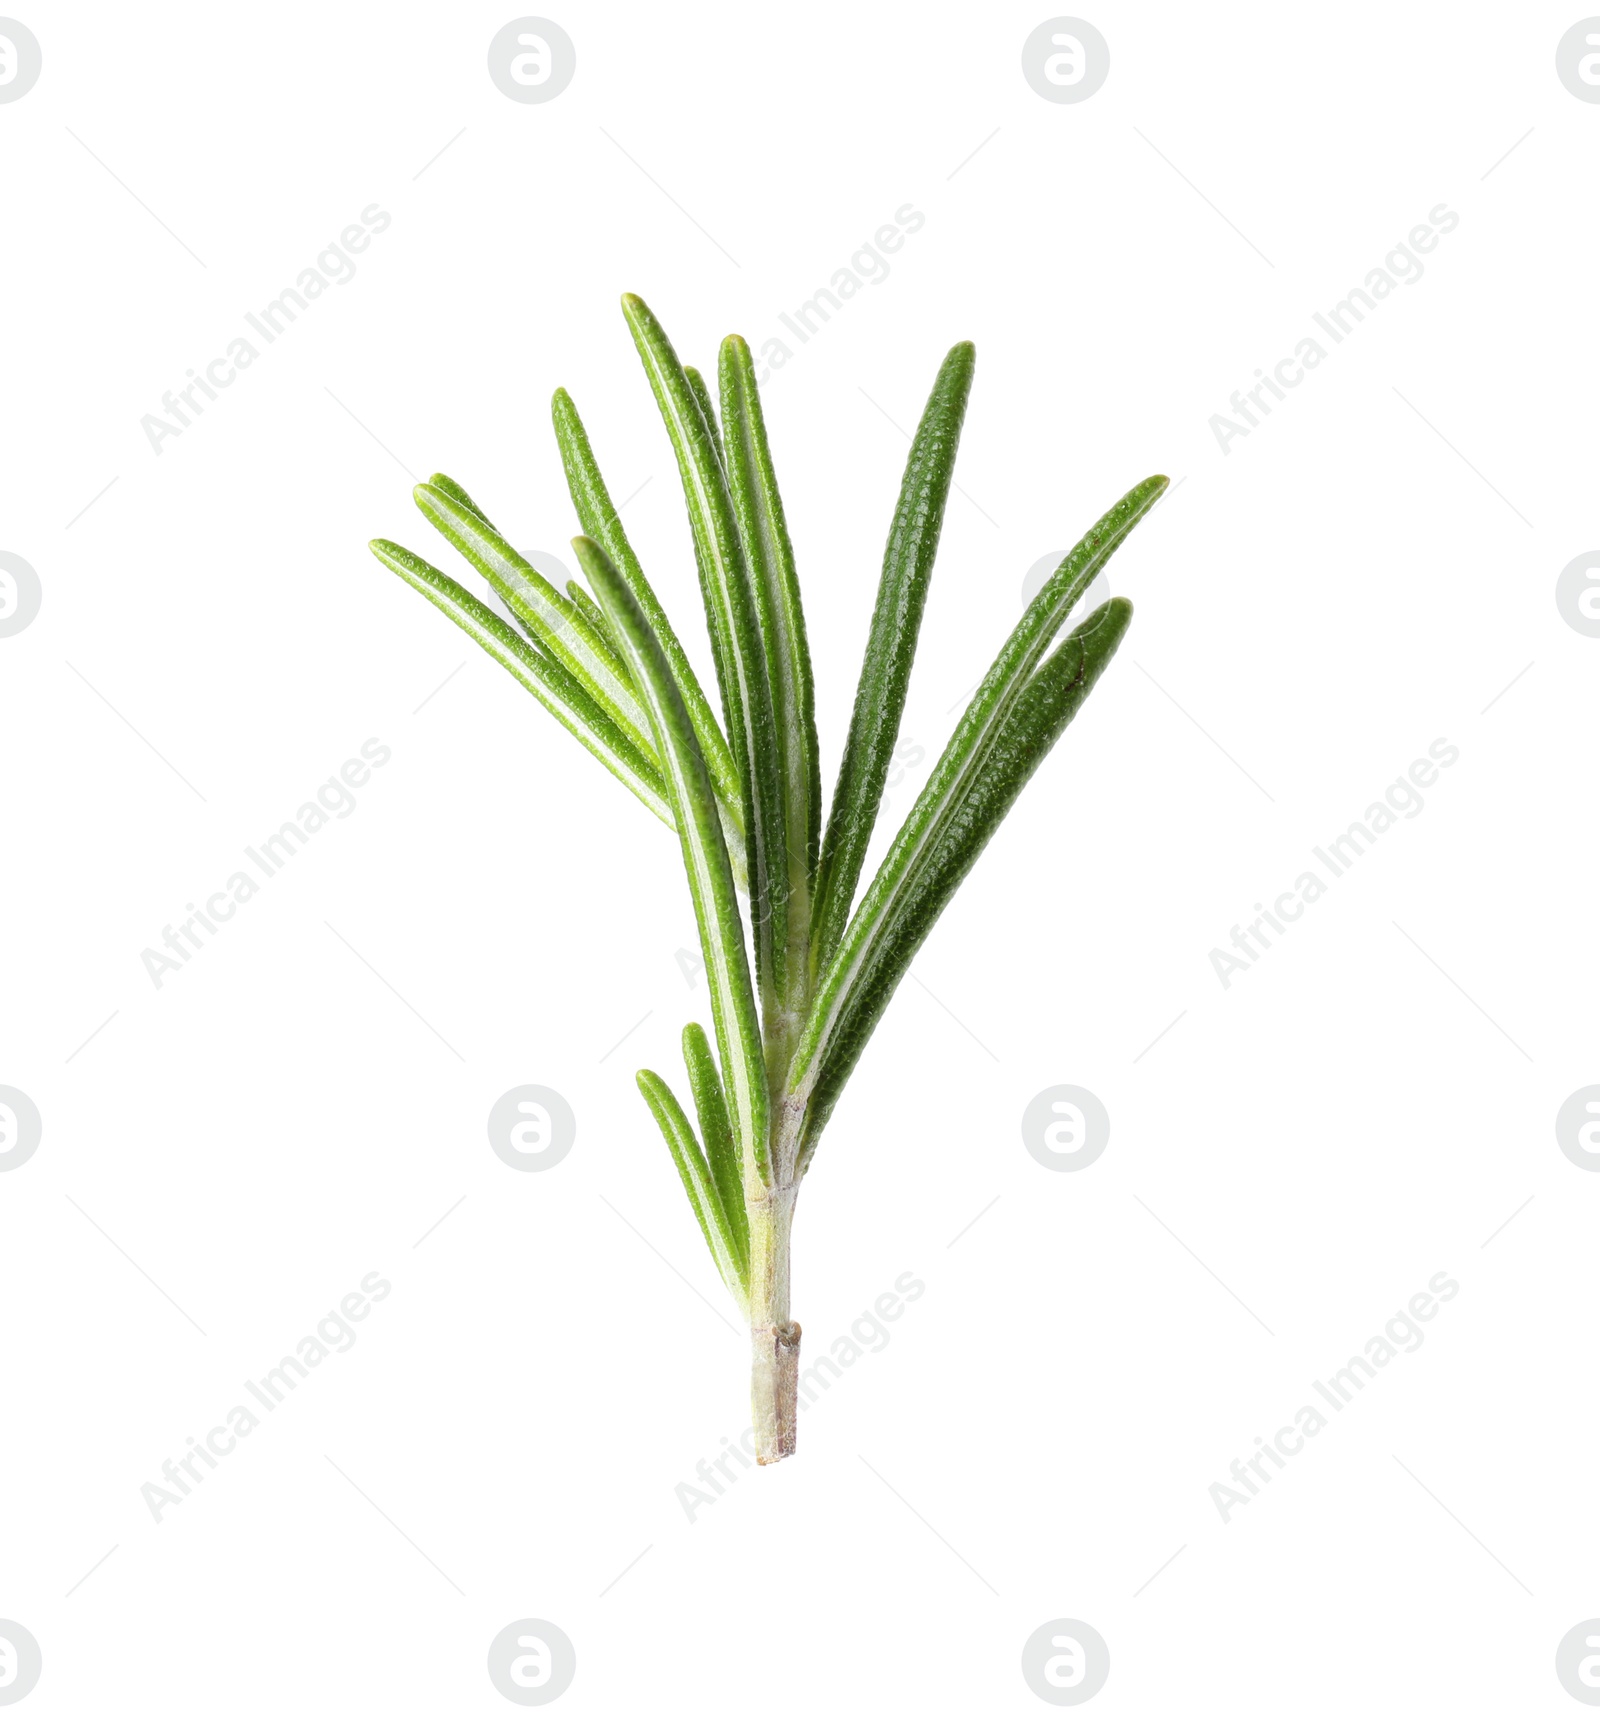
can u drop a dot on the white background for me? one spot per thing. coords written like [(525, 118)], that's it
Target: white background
[(1288, 1164)]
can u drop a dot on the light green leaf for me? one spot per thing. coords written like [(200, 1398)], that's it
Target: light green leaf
[(599, 520), (704, 1198), (705, 857), (579, 595), (716, 1133), (555, 622), (707, 412), (731, 613), (443, 482), (561, 693)]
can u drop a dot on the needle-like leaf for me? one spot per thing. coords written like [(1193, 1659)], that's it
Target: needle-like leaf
[(731, 612), (443, 482), (1036, 720), (600, 522), (704, 1199), (579, 595), (554, 621), (703, 395), (891, 645), (705, 857), (542, 677), (770, 557), (716, 1133), (869, 935)]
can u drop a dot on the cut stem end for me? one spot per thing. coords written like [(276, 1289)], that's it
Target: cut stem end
[(775, 1389)]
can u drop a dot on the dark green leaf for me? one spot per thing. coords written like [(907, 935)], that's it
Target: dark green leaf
[(959, 768), (770, 559), (1036, 720), (891, 645)]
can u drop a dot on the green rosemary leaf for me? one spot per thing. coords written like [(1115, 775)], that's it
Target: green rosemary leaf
[(1037, 718), (443, 482), (558, 625), (891, 646), (579, 595), (599, 520), (561, 693), (861, 949), (731, 612), (770, 557), (716, 1133), (704, 1198), (707, 412), (705, 857)]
